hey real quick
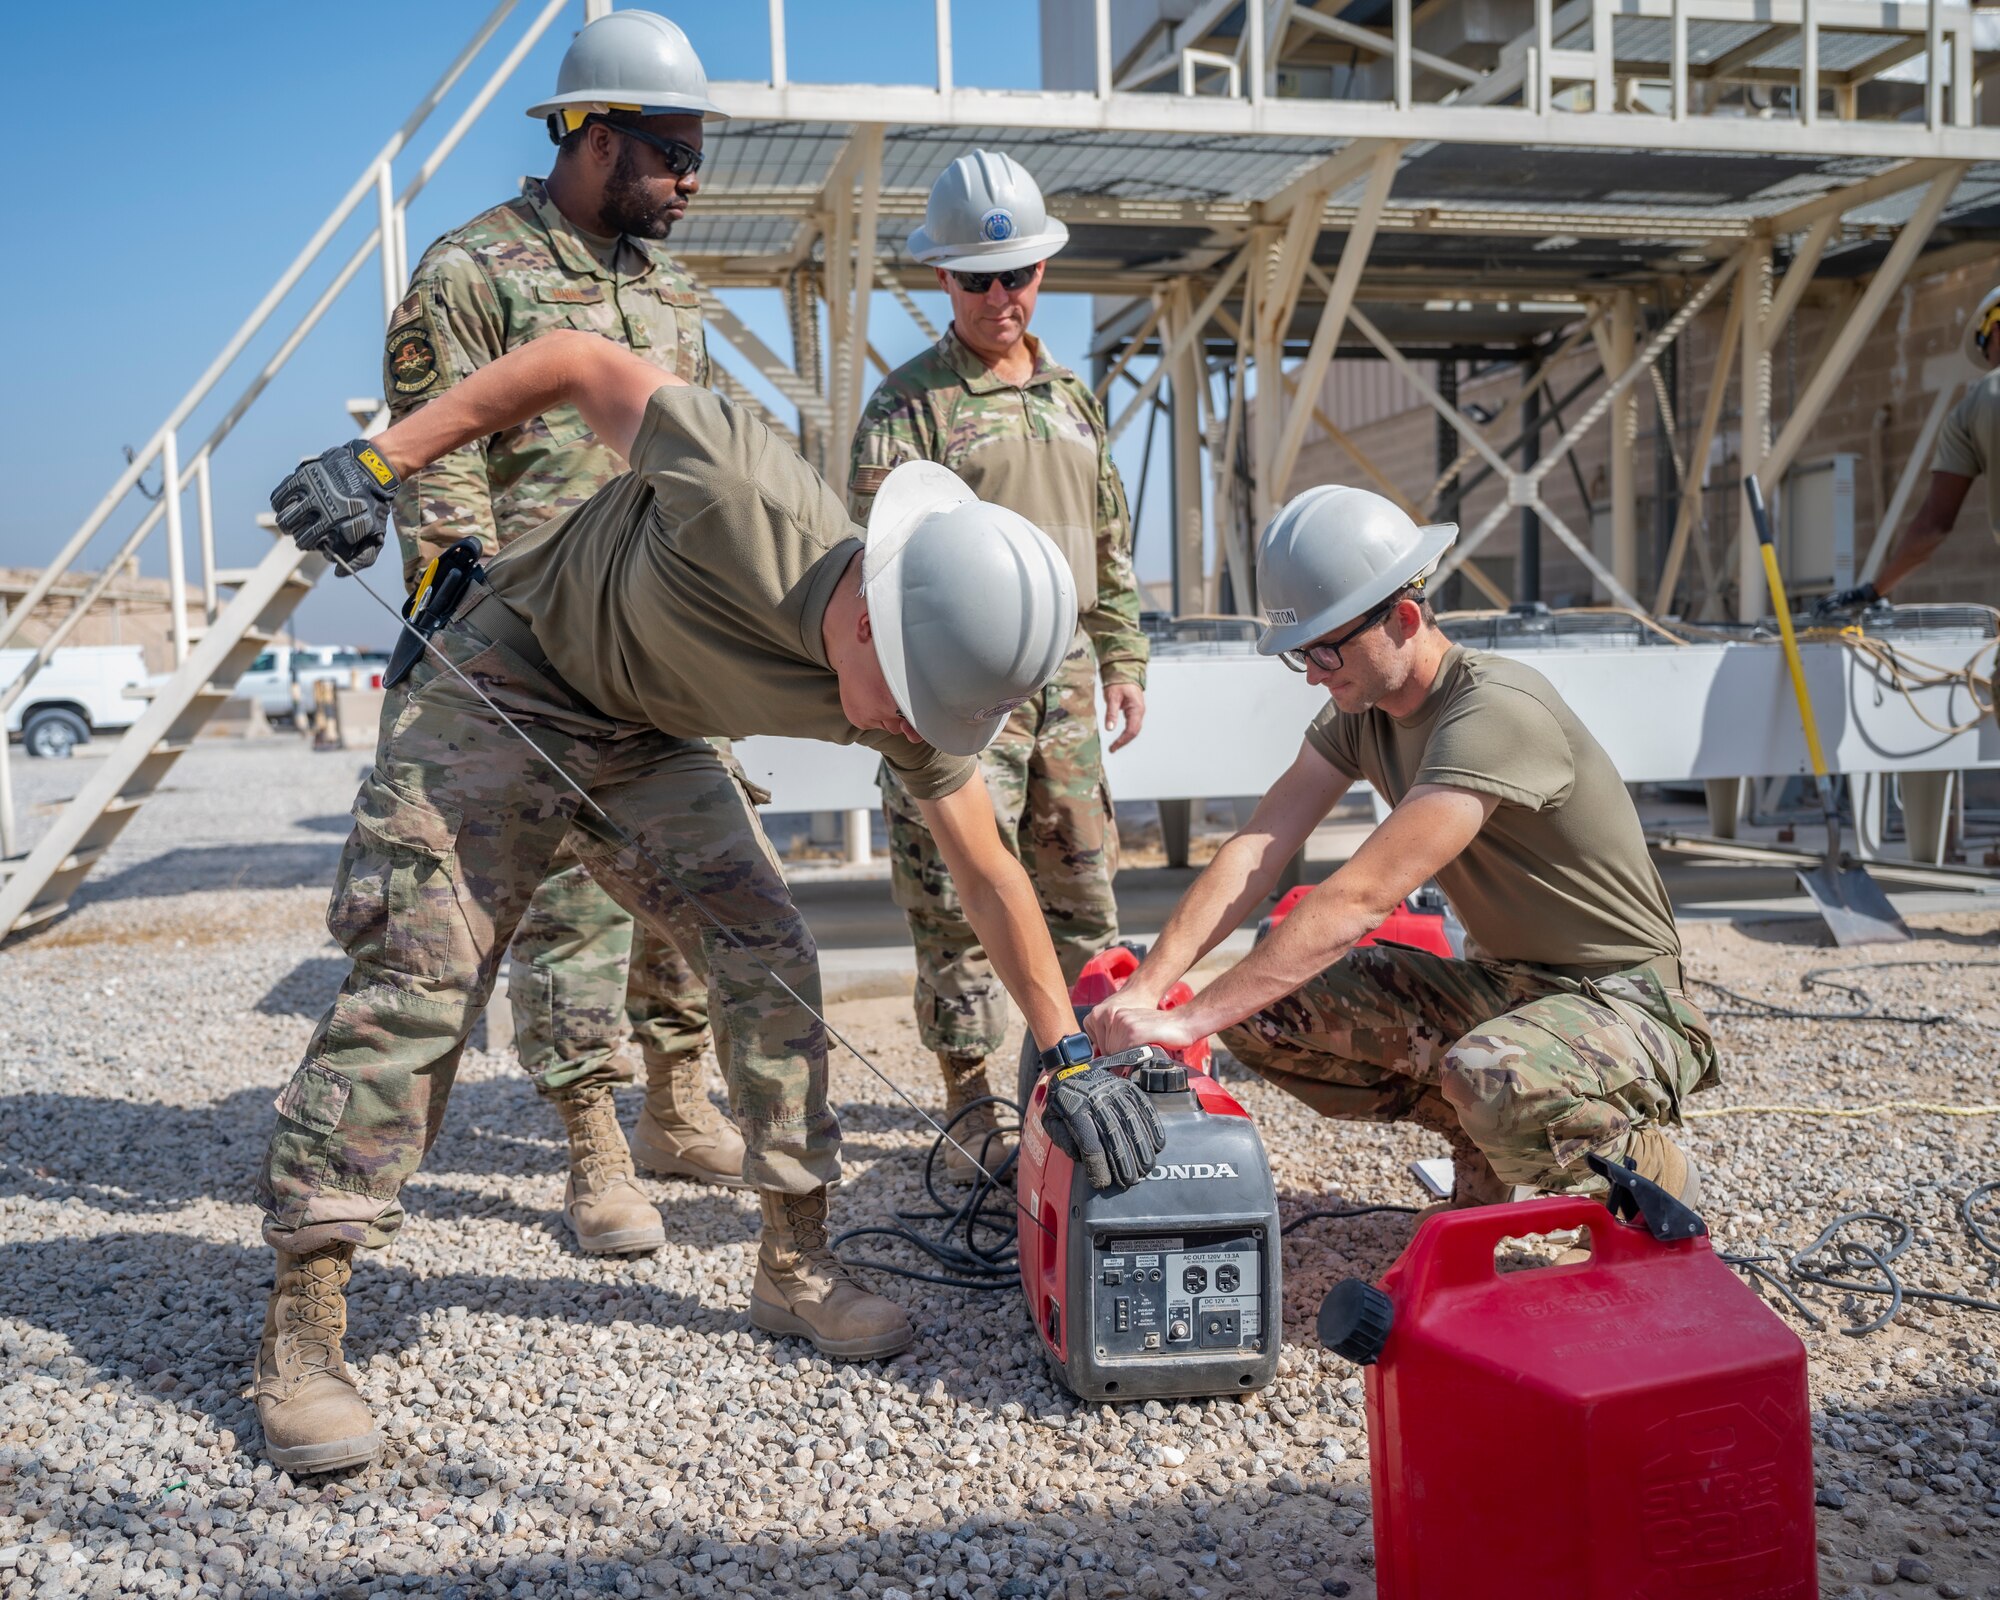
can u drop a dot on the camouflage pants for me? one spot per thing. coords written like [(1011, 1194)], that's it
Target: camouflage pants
[(1046, 773), (1536, 1069), (585, 978), (455, 828)]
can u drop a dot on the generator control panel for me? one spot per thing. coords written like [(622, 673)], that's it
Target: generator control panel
[(1172, 1294)]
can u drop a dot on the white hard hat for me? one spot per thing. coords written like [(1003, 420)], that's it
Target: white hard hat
[(1334, 553), (628, 61), (972, 606), (985, 214), (1983, 320)]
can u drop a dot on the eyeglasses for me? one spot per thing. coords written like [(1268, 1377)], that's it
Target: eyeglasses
[(683, 160), (980, 282), (1325, 653)]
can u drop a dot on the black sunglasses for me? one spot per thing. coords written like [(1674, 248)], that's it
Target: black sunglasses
[(1325, 653), (980, 282), (683, 160)]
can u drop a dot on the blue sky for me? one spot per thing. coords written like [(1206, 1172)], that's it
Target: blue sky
[(150, 216)]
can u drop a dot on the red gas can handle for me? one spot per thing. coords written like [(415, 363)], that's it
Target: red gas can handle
[(1455, 1248)]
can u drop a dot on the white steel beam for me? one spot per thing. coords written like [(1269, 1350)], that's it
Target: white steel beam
[(771, 366), (1206, 116), (884, 279), (1182, 337), (1798, 276), (1339, 300), (1383, 44), (1887, 280), (1695, 474), (1145, 332), (1188, 380), (1838, 202), (1544, 371), (1619, 331), (1754, 408)]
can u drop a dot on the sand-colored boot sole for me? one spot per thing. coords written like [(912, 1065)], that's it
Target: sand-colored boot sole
[(334, 1455), (639, 1238), (662, 1161), (873, 1347)]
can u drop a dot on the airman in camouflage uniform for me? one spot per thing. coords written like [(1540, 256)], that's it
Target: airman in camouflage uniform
[(1038, 447), (584, 979), (718, 584), (1565, 1029)]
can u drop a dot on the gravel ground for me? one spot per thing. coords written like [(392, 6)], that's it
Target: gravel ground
[(560, 1425)]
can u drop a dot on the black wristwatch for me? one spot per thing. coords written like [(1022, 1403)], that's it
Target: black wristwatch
[(1069, 1050)]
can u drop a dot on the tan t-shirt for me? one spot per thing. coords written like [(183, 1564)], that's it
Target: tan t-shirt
[(1559, 875), (1970, 440), (687, 595)]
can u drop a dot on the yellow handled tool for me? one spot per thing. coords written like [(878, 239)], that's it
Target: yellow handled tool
[(1853, 904)]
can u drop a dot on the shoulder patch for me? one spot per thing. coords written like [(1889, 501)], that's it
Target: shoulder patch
[(868, 480), (412, 359)]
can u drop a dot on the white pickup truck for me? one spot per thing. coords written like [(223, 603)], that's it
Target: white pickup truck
[(83, 691), (281, 679)]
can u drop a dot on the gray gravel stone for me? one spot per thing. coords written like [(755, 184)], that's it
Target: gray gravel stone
[(560, 1425)]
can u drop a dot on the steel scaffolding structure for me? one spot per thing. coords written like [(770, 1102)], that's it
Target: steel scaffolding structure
[(1613, 161), (1249, 188)]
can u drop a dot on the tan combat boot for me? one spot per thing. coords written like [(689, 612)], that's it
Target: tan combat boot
[(313, 1417), (1658, 1159), (979, 1131), (1474, 1182), (603, 1203), (804, 1290), (680, 1132)]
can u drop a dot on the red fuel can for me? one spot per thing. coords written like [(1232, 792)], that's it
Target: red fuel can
[(1634, 1427)]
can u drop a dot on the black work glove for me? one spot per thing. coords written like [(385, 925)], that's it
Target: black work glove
[(1844, 602), (338, 504), (1104, 1121)]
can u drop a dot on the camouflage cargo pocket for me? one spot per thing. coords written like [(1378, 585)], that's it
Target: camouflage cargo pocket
[(314, 1098), (1594, 1054), (395, 897)]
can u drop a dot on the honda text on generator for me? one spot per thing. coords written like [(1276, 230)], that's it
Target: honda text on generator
[(1168, 1289)]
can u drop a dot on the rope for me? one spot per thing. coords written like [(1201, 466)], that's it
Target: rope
[(1881, 1108), (1906, 674)]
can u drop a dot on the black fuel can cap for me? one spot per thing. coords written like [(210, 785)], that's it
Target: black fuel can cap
[(1161, 1076), (1354, 1320)]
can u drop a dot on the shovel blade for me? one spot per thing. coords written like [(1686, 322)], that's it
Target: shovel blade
[(1853, 905)]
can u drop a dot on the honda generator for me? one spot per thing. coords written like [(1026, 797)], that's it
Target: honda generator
[(1169, 1289)]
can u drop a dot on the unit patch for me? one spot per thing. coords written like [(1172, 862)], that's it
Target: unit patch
[(413, 363)]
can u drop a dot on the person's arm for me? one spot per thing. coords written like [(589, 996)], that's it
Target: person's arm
[(1113, 623), (603, 380), (1924, 532), (1242, 874), (1002, 907), (450, 324), (1424, 833)]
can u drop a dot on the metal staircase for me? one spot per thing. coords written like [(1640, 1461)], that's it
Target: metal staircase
[(39, 887), (211, 653)]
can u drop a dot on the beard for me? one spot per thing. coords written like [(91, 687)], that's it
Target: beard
[(625, 208)]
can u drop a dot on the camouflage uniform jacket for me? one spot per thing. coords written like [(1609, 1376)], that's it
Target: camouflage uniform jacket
[(1039, 448), (508, 276)]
